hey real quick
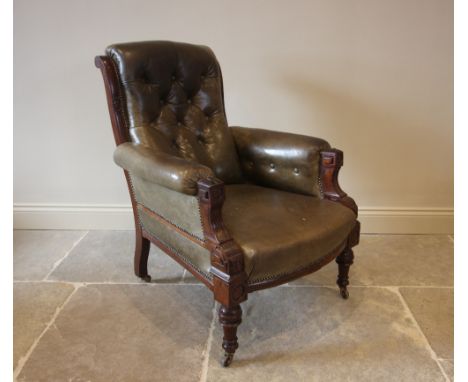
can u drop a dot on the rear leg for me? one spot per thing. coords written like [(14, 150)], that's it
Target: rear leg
[(142, 248)]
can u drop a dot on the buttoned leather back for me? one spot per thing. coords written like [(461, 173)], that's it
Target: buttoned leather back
[(173, 98)]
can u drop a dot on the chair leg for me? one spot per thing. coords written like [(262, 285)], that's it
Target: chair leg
[(142, 247), (344, 261), (230, 318)]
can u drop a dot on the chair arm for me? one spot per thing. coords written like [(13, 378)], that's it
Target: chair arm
[(330, 165), (227, 258), (164, 169), (281, 160)]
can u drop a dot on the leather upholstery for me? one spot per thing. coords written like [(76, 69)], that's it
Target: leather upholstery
[(280, 160), (166, 170), (280, 232), (174, 101), (162, 201), (192, 253)]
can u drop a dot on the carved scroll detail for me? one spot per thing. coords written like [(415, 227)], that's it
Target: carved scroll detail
[(330, 164), (227, 259)]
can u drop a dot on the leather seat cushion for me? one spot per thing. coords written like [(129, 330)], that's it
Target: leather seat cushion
[(281, 232)]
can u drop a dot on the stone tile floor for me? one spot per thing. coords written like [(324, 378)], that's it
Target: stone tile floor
[(80, 315)]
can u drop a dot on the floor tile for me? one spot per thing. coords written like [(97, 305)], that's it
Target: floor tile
[(34, 304), (35, 252), (104, 256), (125, 333), (433, 310), (447, 364), (311, 334), (395, 260)]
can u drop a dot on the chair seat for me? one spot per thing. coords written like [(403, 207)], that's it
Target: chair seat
[(281, 232)]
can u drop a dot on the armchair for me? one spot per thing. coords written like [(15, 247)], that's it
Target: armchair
[(241, 209)]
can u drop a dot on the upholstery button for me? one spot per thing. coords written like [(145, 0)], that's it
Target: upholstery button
[(296, 170), (251, 164), (189, 101), (161, 101), (272, 165), (179, 124), (202, 77), (173, 78)]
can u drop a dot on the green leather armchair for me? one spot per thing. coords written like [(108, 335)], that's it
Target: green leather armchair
[(241, 209)]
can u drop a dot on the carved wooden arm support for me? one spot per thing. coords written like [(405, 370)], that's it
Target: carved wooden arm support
[(227, 258), (330, 164)]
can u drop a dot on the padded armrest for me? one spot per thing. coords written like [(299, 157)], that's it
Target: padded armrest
[(166, 170), (284, 161)]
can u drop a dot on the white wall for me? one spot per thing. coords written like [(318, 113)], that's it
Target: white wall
[(373, 77)]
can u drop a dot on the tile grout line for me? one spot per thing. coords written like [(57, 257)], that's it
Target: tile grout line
[(433, 354), (206, 355), (102, 283), (368, 286), (22, 361), (59, 261), (185, 283)]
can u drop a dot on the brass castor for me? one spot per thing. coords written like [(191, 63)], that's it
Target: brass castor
[(228, 357), (344, 292), (146, 278)]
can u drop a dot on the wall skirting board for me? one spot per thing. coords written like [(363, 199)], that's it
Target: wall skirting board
[(104, 216)]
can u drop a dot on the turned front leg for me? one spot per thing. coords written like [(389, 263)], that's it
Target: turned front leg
[(344, 261), (230, 318)]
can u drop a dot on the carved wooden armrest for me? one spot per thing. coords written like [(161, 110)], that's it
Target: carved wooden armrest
[(227, 258), (330, 164)]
